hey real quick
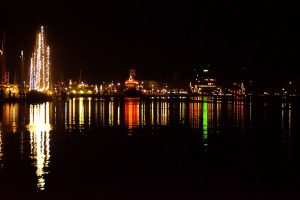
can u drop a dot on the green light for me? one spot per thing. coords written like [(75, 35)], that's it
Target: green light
[(205, 121), (205, 70)]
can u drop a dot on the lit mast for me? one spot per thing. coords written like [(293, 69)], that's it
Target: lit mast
[(40, 64)]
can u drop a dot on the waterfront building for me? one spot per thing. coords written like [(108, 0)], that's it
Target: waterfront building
[(131, 83), (204, 83), (7, 90)]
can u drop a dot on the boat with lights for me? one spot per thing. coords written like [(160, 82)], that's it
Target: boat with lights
[(39, 73)]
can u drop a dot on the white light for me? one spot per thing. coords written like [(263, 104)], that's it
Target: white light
[(40, 64)]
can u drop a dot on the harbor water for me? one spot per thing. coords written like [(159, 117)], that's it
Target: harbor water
[(94, 148)]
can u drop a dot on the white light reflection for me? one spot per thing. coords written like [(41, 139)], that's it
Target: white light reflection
[(39, 127)]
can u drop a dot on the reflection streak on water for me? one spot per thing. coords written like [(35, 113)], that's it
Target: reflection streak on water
[(79, 109), (88, 111), (164, 113), (201, 114), (182, 111), (118, 114), (142, 114), (250, 114), (219, 109), (102, 112), (39, 128), (195, 114), (205, 122), (131, 113), (111, 113), (290, 119), (66, 114), (1, 153), (283, 106), (81, 113), (152, 114), (286, 120), (238, 115), (10, 116)]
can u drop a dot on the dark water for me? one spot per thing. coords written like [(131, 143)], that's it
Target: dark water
[(131, 149)]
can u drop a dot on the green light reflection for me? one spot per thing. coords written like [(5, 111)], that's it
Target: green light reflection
[(204, 117)]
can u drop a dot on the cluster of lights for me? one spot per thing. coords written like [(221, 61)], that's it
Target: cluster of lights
[(40, 64)]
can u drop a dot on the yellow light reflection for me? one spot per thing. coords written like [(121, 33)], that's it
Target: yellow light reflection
[(152, 113), (10, 116), (73, 111), (96, 109), (68, 123), (39, 127), (102, 112), (81, 112), (1, 151), (118, 115), (182, 111), (142, 114), (90, 110), (111, 113), (219, 109), (158, 113), (164, 113)]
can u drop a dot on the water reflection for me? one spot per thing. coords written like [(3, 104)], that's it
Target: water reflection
[(209, 118), (10, 116), (205, 113), (131, 113), (286, 120), (1, 151), (39, 127), (205, 123)]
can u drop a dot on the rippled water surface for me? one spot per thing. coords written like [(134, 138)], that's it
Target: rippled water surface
[(85, 148)]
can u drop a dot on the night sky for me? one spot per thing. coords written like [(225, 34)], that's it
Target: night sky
[(161, 40)]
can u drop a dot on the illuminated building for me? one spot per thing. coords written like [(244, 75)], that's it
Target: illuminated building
[(40, 64), (204, 83), (131, 86), (131, 83)]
